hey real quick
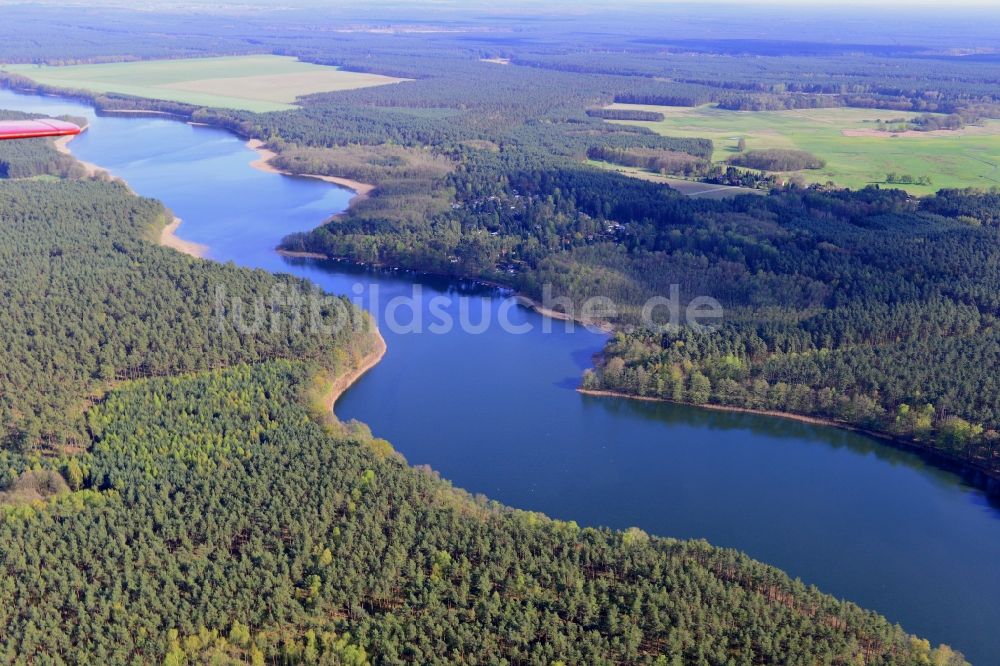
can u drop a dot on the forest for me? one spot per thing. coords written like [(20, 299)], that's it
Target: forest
[(823, 305), (205, 512), (776, 159), (673, 162), (88, 301), (866, 344), (218, 522), (34, 157), (823, 277)]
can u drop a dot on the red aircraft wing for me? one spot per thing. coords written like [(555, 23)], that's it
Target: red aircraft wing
[(31, 129)]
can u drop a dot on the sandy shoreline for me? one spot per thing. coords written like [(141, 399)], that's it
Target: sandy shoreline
[(169, 238), (343, 382), (295, 254), (812, 420), (168, 235), (145, 112), (526, 301), (938, 457), (62, 145), (362, 190), (263, 163)]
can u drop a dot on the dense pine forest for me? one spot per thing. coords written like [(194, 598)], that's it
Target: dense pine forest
[(218, 522), (90, 301), (856, 306), (211, 515)]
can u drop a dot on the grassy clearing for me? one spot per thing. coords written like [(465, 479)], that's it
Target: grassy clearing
[(855, 155), (690, 188), (254, 83)]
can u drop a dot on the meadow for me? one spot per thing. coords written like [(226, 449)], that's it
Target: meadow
[(855, 153), (257, 83), (687, 187)]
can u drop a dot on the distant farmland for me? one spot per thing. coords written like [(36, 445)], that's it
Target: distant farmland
[(254, 83), (855, 153)]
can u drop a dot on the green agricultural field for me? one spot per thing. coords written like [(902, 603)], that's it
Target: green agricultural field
[(254, 83), (856, 155)]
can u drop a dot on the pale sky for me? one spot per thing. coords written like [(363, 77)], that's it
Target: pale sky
[(874, 4)]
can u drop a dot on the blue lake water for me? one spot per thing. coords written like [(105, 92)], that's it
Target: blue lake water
[(497, 413)]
